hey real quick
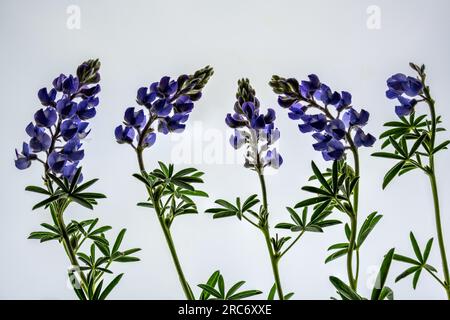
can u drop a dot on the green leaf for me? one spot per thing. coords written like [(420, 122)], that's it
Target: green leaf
[(416, 278), (427, 251), (145, 204), (311, 201), (415, 246), (320, 177), (244, 294), (210, 290), (406, 273), (401, 258), (392, 173), (272, 292), (212, 281), (386, 292), (416, 145), (221, 286), (288, 296), (118, 241), (336, 255), (387, 155), (316, 190), (127, 259), (234, 288), (142, 179), (46, 201), (367, 227), (37, 190), (85, 185), (440, 147), (344, 290), (338, 246), (382, 275), (81, 202), (75, 180), (398, 147), (110, 287)]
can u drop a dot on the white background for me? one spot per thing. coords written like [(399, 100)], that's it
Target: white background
[(138, 42)]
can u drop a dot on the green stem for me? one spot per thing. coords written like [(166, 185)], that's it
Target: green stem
[(68, 248), (439, 231), (434, 189), (265, 230), (353, 280), (167, 235)]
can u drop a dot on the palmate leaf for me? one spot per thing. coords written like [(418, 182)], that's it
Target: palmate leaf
[(227, 209), (215, 287), (417, 265), (316, 223)]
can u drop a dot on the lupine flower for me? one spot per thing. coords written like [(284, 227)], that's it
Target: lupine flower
[(59, 128), (24, 158), (401, 87), (168, 104), (336, 124), (255, 130)]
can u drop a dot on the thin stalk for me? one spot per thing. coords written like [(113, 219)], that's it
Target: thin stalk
[(352, 279), (265, 230), (68, 248), (292, 244), (167, 235), (434, 189)]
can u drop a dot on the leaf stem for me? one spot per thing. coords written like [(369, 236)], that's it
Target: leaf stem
[(434, 189), (167, 235), (68, 248), (265, 230), (353, 280), (292, 244)]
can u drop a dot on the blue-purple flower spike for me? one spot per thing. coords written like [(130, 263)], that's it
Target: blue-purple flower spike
[(329, 115), (59, 127), (255, 130), (405, 89), (166, 106)]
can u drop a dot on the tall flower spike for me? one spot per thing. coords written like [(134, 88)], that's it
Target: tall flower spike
[(253, 129), (55, 136), (335, 128), (167, 105)]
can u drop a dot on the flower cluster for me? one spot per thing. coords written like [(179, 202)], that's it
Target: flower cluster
[(59, 127), (256, 131), (168, 104), (401, 87), (334, 129)]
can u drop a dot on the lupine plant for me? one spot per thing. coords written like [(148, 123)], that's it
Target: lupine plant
[(257, 133), (412, 139), (55, 142), (165, 109), (337, 128)]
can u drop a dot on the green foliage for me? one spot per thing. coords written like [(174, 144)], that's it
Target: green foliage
[(417, 264), (238, 209), (316, 223), (214, 289), (85, 241), (171, 192), (335, 190), (379, 292), (410, 139)]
